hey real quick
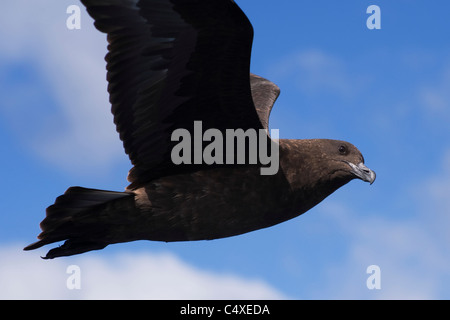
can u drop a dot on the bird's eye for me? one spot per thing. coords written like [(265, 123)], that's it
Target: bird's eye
[(343, 150)]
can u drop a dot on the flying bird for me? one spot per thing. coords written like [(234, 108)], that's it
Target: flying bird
[(170, 64)]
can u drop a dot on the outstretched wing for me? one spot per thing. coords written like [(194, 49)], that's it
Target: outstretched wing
[(170, 63)]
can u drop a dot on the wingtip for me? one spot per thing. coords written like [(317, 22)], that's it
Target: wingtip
[(37, 245), (33, 246), (53, 253)]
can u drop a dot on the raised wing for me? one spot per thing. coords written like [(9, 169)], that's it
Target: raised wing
[(170, 63), (264, 94)]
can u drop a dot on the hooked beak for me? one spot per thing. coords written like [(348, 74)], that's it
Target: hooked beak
[(363, 173)]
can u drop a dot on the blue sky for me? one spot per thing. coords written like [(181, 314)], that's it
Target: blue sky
[(387, 91)]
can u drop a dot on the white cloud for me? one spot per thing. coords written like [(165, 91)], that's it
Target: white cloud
[(24, 275), (412, 252), (404, 251), (79, 133)]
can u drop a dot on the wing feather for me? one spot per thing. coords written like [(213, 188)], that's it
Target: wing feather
[(173, 62)]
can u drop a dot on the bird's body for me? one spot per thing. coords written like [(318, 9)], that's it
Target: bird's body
[(172, 63), (221, 202)]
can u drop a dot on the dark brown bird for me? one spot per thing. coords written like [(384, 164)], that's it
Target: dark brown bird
[(172, 63)]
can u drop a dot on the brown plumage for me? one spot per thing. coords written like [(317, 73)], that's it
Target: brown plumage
[(171, 63)]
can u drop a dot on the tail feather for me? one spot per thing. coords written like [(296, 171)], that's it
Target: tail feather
[(81, 217), (72, 247)]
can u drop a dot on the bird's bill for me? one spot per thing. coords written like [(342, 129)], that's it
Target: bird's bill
[(363, 173)]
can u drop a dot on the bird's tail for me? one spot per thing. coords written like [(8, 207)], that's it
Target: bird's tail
[(84, 218)]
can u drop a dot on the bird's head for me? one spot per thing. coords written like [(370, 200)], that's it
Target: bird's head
[(317, 168), (343, 161)]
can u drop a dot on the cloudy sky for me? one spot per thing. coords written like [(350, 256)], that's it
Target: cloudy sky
[(387, 91)]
